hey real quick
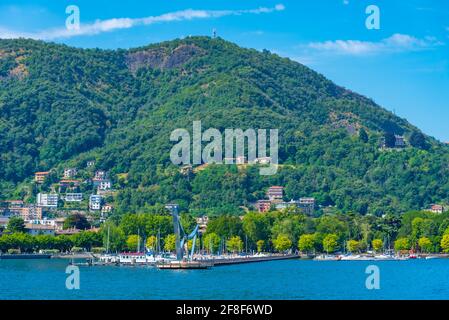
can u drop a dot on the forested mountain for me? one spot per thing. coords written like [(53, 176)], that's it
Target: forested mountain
[(61, 106)]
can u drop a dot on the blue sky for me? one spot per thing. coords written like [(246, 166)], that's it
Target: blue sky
[(403, 66)]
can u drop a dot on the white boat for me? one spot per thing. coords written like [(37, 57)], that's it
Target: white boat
[(135, 258), (351, 257), (324, 257), (108, 258), (384, 257)]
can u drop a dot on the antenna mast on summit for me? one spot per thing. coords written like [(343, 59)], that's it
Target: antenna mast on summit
[(214, 33)]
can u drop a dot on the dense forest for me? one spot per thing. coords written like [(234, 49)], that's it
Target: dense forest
[(62, 106)]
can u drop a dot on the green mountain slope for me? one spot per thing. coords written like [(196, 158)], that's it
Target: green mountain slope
[(62, 106)]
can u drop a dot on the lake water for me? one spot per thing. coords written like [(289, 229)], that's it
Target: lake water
[(292, 279)]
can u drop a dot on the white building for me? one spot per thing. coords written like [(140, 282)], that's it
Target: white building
[(105, 211), (100, 174), (47, 200), (104, 184), (95, 202), (70, 172), (90, 163), (107, 208), (74, 197)]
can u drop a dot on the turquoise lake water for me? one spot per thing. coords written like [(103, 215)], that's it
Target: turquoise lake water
[(292, 279)]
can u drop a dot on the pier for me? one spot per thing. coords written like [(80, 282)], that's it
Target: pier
[(25, 256), (176, 265), (209, 263), (252, 259)]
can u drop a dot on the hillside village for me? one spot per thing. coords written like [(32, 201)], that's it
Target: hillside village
[(58, 196), (90, 193)]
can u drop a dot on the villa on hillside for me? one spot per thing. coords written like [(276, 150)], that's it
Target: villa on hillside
[(69, 183), (263, 205), (74, 197), (399, 142), (90, 163), (48, 200), (100, 174), (70, 173), (39, 177), (95, 202), (31, 212), (436, 208), (275, 193)]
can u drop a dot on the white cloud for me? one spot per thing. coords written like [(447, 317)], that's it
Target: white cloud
[(396, 43), (101, 26), (279, 7)]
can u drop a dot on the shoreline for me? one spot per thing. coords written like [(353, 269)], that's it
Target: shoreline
[(219, 261)]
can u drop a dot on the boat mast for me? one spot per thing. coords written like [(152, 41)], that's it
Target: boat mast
[(138, 240), (107, 243), (158, 241)]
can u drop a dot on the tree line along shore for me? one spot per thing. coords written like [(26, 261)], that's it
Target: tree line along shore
[(274, 231)]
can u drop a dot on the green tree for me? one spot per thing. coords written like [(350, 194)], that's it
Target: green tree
[(402, 244), (425, 244), (234, 244), (256, 226), (445, 243), (133, 224), (290, 225), (211, 242), (260, 245), (306, 243), (77, 221), (114, 238), (132, 242), (363, 135), (16, 225), (63, 243), (390, 140), (226, 226), (45, 242), (170, 243), (282, 243), (190, 244), (151, 243), (377, 245), (330, 243), (353, 246), (418, 140), (87, 240)]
